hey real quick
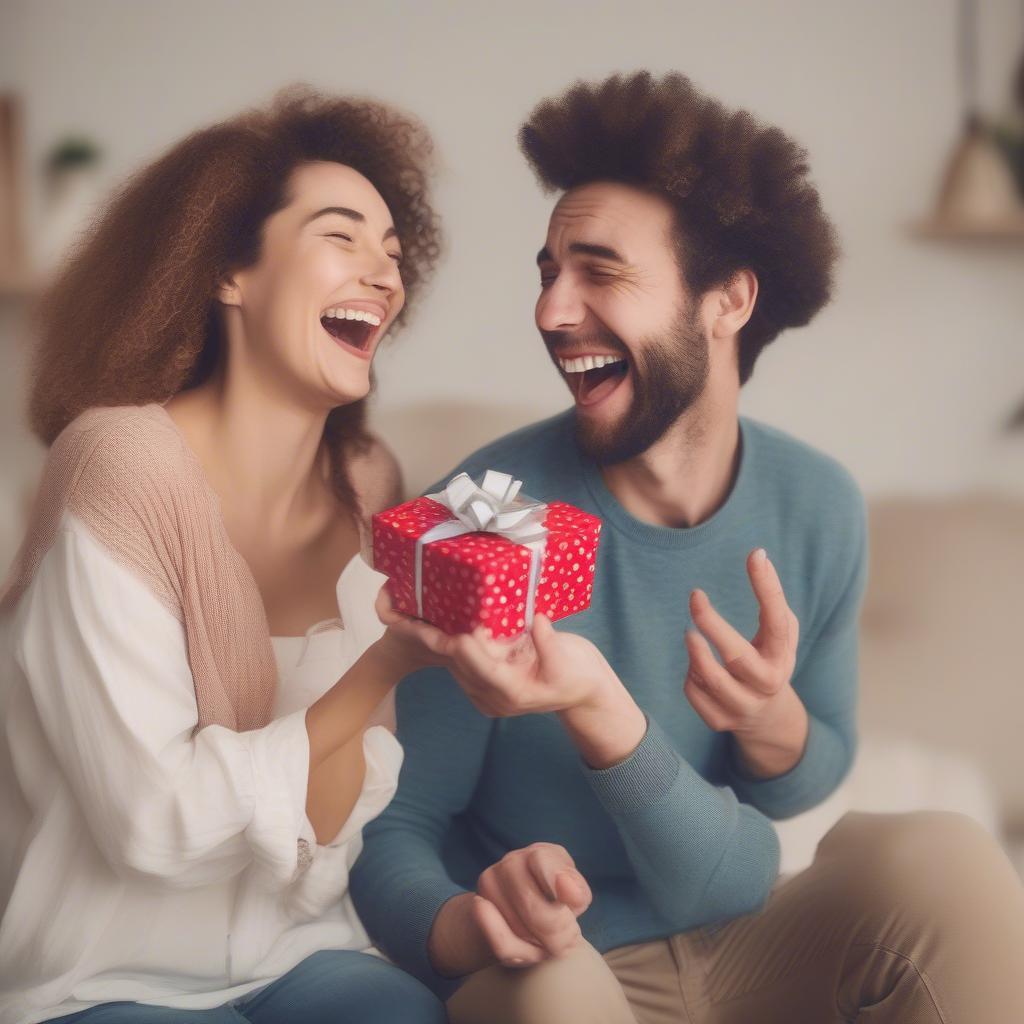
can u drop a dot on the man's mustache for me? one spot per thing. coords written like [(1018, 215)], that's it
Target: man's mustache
[(568, 343)]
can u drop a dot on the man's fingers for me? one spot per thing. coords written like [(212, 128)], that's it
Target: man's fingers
[(510, 950), (557, 878), (544, 862), (731, 644), (705, 672), (515, 916), (740, 657), (710, 712), (472, 655), (571, 889), (545, 636), (773, 635)]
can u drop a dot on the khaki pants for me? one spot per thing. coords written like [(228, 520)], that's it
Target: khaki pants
[(902, 919)]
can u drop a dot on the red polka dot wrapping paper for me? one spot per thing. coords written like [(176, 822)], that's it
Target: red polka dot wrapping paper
[(482, 578)]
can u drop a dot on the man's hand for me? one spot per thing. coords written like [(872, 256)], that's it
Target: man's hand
[(749, 694), (541, 671), (524, 911), (551, 671)]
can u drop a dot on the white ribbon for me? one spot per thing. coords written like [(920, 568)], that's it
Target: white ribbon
[(494, 506)]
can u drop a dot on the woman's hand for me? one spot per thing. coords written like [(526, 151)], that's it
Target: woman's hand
[(409, 642)]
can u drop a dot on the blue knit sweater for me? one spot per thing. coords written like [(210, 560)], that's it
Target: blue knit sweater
[(676, 836)]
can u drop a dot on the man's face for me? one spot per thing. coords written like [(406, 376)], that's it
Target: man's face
[(616, 319), (326, 288)]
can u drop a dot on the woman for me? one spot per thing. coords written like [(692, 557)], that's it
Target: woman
[(178, 827)]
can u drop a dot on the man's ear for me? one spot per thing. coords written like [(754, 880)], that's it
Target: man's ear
[(733, 304), (227, 292)]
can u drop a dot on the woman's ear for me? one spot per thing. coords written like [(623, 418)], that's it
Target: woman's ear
[(734, 304), (228, 293)]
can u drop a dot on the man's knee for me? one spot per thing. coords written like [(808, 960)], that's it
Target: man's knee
[(900, 858), (575, 987), (895, 844)]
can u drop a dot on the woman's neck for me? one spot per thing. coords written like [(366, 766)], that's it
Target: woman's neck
[(263, 456)]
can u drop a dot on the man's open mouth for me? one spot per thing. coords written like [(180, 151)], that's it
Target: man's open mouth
[(352, 327), (593, 378)]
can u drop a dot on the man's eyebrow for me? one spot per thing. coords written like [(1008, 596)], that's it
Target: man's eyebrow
[(344, 211), (605, 252)]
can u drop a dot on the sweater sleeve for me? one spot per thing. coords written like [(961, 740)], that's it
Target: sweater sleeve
[(399, 882), (826, 682), (107, 669), (698, 853)]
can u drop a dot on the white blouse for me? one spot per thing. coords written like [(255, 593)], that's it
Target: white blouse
[(140, 862)]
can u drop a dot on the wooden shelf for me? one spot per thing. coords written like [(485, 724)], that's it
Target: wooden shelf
[(964, 231)]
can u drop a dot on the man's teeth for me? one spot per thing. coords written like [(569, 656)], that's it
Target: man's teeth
[(584, 363), (353, 314)]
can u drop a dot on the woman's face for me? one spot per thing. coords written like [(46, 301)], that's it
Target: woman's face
[(306, 319)]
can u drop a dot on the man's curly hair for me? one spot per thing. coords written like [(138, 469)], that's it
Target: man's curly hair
[(740, 190)]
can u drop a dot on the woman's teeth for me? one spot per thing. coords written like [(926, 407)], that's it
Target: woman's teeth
[(584, 363), (353, 314)]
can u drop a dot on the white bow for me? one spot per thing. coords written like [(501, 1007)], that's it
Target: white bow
[(494, 506)]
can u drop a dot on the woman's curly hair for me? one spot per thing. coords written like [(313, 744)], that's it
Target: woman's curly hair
[(132, 317), (739, 188)]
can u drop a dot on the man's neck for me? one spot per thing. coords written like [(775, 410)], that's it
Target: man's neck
[(686, 476)]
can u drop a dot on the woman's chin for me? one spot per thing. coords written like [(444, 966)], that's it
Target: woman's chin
[(349, 391)]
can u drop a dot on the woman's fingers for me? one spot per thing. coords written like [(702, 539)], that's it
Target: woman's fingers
[(385, 607)]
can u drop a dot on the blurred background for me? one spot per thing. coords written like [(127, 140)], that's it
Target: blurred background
[(913, 116)]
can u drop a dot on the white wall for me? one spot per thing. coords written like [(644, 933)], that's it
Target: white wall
[(906, 377)]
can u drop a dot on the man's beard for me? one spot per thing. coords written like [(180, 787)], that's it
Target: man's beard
[(668, 376)]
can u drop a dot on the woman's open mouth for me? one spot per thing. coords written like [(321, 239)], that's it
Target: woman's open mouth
[(594, 378), (355, 329)]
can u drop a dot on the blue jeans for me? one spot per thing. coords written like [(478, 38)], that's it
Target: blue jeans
[(333, 986)]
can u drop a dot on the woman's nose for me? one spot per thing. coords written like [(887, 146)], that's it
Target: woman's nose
[(382, 272)]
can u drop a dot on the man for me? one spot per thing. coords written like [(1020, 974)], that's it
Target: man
[(711, 685)]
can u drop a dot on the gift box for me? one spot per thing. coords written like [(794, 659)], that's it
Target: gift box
[(486, 555)]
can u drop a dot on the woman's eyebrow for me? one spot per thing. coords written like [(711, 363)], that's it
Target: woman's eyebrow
[(344, 211)]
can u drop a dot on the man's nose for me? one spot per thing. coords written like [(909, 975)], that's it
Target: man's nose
[(560, 306)]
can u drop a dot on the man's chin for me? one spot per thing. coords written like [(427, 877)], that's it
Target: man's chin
[(604, 443)]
